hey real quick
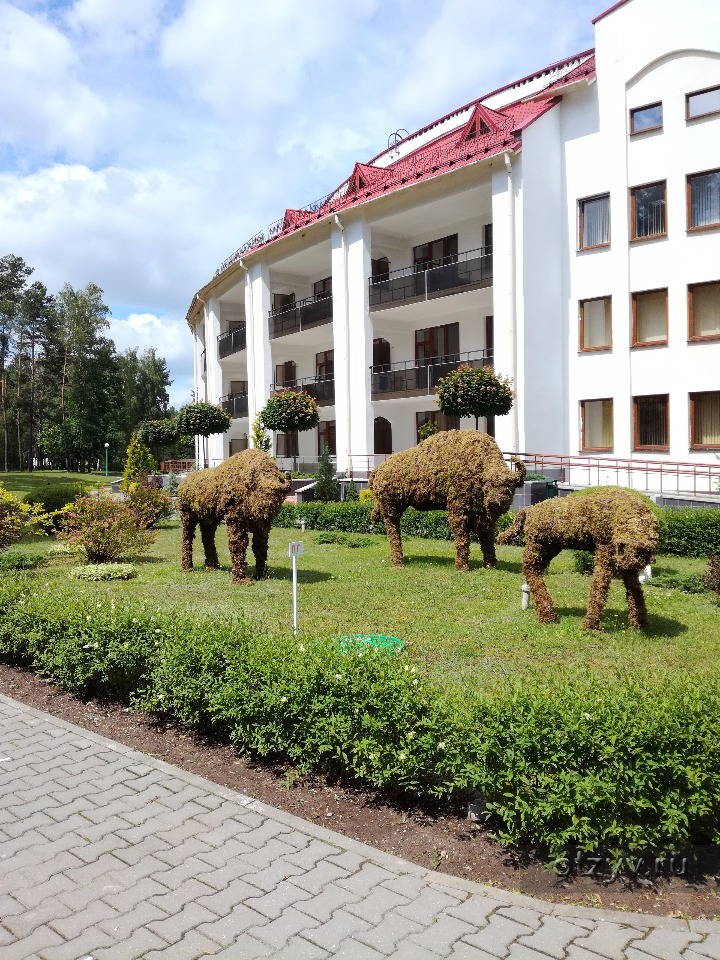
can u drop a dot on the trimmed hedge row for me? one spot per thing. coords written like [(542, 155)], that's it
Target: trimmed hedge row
[(685, 532), (617, 765)]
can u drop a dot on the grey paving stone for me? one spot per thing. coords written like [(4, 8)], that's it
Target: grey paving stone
[(297, 948), (77, 923), (127, 899), (352, 950), (278, 872), (174, 900), (123, 925), (384, 935), (275, 902), (324, 904), (176, 926), (244, 947), (529, 918), (227, 929), (661, 944), (497, 936), (709, 946), (317, 879), (426, 905), (278, 932), (340, 927), (192, 946), (366, 879), (311, 855), (377, 904), (23, 923), (33, 895), (40, 940), (441, 934), (607, 939), (475, 910), (136, 947), (553, 936), (83, 946)]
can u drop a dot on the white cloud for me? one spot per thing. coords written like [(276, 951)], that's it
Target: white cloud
[(171, 339), (115, 28), (45, 107)]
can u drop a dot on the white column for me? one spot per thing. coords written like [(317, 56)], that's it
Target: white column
[(259, 357), (352, 340), (213, 375)]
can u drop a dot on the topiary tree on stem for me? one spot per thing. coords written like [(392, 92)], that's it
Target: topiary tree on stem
[(203, 420), (471, 392), (290, 410)]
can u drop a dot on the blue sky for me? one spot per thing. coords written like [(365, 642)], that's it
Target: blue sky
[(142, 141)]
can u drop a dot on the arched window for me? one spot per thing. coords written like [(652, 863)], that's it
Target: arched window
[(383, 435)]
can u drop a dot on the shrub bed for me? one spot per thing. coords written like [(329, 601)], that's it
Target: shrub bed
[(690, 533), (616, 765)]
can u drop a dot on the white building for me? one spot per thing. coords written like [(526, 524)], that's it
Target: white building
[(565, 228)]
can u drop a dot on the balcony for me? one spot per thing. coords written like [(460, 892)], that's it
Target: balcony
[(232, 342), (236, 404), (438, 278), (311, 312), (412, 378), (321, 389)]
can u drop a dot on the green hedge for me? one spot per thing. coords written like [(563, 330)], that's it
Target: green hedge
[(621, 764), (686, 532)]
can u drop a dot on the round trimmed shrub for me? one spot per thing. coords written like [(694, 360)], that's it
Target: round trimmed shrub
[(56, 495)]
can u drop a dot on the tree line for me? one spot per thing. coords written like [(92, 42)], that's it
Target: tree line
[(64, 389)]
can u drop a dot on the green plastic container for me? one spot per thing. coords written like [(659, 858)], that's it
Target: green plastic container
[(378, 641)]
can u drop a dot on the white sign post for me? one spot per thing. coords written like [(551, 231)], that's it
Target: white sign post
[(295, 550)]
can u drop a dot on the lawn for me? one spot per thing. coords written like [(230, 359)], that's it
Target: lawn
[(466, 627), (24, 482)]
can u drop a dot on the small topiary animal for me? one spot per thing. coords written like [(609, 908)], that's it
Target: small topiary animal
[(462, 470), (246, 491), (615, 524)]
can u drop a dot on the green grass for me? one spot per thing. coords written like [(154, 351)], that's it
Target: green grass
[(23, 482), (467, 628)]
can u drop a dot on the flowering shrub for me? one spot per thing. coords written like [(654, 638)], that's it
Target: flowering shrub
[(289, 410), (104, 571), (150, 505), (105, 528), (17, 518)]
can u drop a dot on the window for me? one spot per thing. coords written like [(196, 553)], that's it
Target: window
[(702, 103), (287, 444), (322, 289), (703, 200), (704, 311), (650, 318), (705, 419), (651, 422), (434, 343), (285, 374), (325, 364), (597, 424), (238, 388), (381, 355), (282, 302), (379, 269), (646, 118), (326, 437), (436, 253), (434, 416), (596, 324), (382, 430), (648, 211), (594, 222)]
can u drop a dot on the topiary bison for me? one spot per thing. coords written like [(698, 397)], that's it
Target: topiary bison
[(616, 524), (246, 491), (462, 470)]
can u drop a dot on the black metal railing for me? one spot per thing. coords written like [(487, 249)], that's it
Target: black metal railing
[(321, 389), (236, 404), (418, 377), (436, 278), (311, 312), (232, 342)]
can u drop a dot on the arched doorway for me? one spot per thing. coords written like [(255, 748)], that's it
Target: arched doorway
[(383, 435)]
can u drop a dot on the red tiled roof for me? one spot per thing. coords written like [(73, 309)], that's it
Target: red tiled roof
[(484, 134), (600, 16)]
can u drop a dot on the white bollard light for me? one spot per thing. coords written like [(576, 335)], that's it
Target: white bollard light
[(525, 590)]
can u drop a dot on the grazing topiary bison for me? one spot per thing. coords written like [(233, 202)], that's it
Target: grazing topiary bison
[(246, 491), (462, 470), (616, 524)]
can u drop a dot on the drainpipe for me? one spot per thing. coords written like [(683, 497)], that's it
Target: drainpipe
[(346, 298), (514, 423)]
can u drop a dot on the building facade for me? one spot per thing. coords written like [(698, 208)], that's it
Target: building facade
[(565, 229)]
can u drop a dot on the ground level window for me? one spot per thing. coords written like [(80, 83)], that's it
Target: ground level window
[(648, 211), (596, 424), (287, 444), (704, 310), (326, 437), (651, 422), (382, 430), (650, 318), (705, 419), (596, 324), (703, 200), (441, 421)]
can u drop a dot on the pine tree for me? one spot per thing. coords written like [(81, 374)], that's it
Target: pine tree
[(326, 486)]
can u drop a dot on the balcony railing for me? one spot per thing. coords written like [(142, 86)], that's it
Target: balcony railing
[(438, 278), (321, 388), (232, 342), (413, 378), (236, 404), (311, 312)]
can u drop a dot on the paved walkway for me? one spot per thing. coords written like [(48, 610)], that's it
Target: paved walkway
[(111, 855)]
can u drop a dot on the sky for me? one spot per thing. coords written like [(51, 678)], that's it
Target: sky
[(143, 141)]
